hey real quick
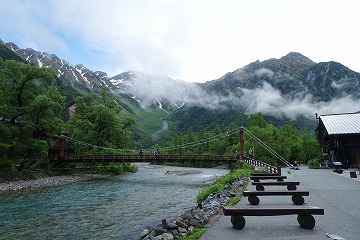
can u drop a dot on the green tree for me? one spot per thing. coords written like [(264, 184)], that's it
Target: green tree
[(311, 148), (285, 141), (218, 143), (30, 113), (190, 139), (97, 121), (257, 120), (234, 135)]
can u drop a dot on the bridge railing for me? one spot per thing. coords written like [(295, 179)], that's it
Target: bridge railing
[(257, 163), (145, 158)]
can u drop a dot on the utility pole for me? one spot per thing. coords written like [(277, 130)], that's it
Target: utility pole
[(242, 143)]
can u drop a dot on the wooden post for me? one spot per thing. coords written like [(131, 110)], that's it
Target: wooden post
[(61, 148), (242, 143), (278, 168)]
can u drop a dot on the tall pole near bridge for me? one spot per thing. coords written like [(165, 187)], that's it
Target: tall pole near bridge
[(61, 148), (242, 143)]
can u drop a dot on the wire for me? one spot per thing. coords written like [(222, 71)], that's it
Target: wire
[(264, 145), (181, 146)]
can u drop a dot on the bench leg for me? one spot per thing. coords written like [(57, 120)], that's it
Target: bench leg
[(260, 188), (306, 221), (253, 200), (291, 187), (238, 221), (298, 199)]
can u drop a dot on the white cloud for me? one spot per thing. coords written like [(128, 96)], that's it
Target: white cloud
[(270, 101), (190, 40)]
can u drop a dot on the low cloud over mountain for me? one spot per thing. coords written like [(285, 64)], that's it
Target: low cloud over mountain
[(270, 101), (291, 86)]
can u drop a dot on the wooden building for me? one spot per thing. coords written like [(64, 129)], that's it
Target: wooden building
[(339, 137)]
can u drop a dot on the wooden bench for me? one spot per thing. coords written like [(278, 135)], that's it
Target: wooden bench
[(304, 218), (296, 196), (290, 185), (258, 178), (264, 174)]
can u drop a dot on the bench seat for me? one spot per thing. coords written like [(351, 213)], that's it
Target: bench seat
[(264, 174), (304, 218), (297, 196), (258, 178), (290, 185)]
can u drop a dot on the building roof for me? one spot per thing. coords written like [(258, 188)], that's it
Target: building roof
[(342, 123)]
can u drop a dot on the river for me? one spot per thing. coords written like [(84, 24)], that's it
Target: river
[(115, 208)]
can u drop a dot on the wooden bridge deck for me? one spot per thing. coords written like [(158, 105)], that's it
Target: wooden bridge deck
[(101, 158)]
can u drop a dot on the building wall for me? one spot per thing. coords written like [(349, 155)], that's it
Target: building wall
[(344, 148)]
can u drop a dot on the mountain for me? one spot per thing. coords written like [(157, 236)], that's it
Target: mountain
[(293, 75), (76, 76), (8, 54), (290, 89), (274, 71)]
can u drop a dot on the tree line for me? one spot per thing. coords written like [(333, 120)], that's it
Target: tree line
[(296, 146)]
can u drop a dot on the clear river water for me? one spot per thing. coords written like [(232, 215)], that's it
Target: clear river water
[(115, 208)]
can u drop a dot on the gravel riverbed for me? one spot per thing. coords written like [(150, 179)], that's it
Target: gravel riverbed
[(47, 182)]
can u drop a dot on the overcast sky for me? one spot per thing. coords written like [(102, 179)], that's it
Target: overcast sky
[(191, 40)]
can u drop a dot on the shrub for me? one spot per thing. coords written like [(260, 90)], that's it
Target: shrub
[(314, 163)]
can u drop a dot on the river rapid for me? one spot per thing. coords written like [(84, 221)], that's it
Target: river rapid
[(113, 208)]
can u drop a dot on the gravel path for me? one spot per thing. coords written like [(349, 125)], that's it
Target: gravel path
[(47, 182)]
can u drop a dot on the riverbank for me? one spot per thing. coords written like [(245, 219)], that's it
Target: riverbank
[(201, 215), (47, 182)]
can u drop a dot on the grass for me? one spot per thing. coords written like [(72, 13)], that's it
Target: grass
[(196, 234), (233, 202), (229, 178), (224, 181)]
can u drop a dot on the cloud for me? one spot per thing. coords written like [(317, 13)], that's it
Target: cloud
[(189, 40), (146, 36), (29, 20), (265, 99), (264, 72), (270, 101)]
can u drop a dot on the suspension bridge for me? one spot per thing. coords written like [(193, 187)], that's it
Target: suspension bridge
[(61, 155)]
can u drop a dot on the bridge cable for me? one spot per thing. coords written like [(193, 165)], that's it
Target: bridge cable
[(192, 144), (278, 156)]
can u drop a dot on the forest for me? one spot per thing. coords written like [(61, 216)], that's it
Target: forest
[(35, 108)]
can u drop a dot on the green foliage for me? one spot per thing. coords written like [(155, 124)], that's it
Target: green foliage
[(232, 202), (257, 120), (97, 121), (30, 107), (314, 163), (224, 181), (289, 142), (7, 54), (201, 118)]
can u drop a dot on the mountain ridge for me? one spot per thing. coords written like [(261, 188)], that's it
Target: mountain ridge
[(291, 78)]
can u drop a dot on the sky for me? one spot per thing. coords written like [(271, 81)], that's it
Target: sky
[(190, 40)]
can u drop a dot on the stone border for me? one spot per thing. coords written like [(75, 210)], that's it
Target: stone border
[(196, 216)]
